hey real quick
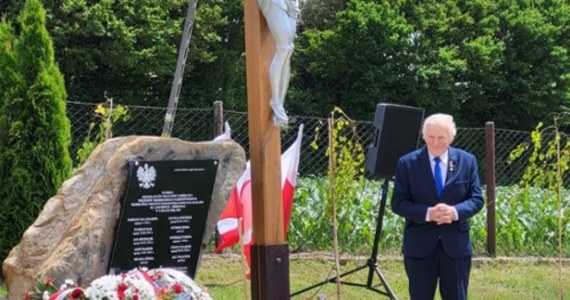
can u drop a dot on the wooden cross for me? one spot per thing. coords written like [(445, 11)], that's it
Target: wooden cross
[(269, 253)]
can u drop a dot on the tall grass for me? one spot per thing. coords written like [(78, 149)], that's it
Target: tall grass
[(526, 221)]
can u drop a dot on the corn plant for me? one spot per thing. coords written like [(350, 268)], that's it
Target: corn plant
[(546, 167), (526, 221)]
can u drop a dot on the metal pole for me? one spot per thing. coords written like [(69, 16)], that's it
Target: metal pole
[(179, 72), (491, 184), (218, 130)]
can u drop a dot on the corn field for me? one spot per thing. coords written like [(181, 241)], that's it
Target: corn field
[(526, 221)]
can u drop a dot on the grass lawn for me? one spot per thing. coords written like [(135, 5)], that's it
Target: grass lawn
[(490, 278)]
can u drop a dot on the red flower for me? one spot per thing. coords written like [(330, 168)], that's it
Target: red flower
[(178, 288), (77, 293), (122, 287), (136, 297), (27, 295), (48, 282)]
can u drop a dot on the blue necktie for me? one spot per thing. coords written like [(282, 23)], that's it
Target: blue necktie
[(437, 176)]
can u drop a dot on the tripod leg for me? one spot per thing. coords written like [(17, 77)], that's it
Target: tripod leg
[(389, 291), (373, 261), (371, 264), (330, 280)]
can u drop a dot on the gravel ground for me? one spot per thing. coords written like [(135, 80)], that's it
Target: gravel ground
[(477, 260)]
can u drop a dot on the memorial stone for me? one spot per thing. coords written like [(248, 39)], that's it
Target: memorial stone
[(73, 236)]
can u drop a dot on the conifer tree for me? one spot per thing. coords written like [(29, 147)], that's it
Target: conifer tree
[(10, 77), (35, 131)]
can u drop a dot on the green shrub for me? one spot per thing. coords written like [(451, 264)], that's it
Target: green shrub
[(35, 131), (106, 115)]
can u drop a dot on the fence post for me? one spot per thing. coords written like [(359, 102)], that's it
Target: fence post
[(491, 184), (218, 117), (218, 129)]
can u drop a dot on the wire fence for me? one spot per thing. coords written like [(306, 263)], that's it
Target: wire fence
[(199, 125)]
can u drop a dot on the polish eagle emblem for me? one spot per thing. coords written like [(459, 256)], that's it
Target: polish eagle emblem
[(146, 176)]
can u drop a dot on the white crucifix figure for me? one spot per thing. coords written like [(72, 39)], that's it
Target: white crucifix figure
[(281, 17)]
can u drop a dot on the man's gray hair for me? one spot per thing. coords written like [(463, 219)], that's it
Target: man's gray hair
[(441, 119)]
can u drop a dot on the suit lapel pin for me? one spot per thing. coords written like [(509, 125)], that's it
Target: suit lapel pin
[(451, 166)]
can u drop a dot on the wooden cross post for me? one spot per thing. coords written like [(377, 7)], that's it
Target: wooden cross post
[(269, 253)]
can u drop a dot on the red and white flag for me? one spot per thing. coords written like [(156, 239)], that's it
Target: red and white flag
[(239, 207)]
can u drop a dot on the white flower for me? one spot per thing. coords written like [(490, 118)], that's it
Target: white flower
[(104, 287), (143, 283), (68, 283), (107, 287), (138, 284), (171, 276)]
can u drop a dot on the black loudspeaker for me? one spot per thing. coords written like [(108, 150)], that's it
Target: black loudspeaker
[(397, 133)]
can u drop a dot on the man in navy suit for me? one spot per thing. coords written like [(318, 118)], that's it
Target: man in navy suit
[(436, 242)]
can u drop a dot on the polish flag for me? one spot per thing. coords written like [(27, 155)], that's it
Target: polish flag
[(239, 207)]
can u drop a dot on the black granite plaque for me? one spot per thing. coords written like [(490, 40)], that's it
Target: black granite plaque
[(163, 215)]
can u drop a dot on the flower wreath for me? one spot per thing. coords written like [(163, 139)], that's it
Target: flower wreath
[(137, 284)]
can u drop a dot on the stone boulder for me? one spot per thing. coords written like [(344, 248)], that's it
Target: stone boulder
[(73, 236)]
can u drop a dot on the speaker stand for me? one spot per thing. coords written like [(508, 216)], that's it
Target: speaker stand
[(371, 263)]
